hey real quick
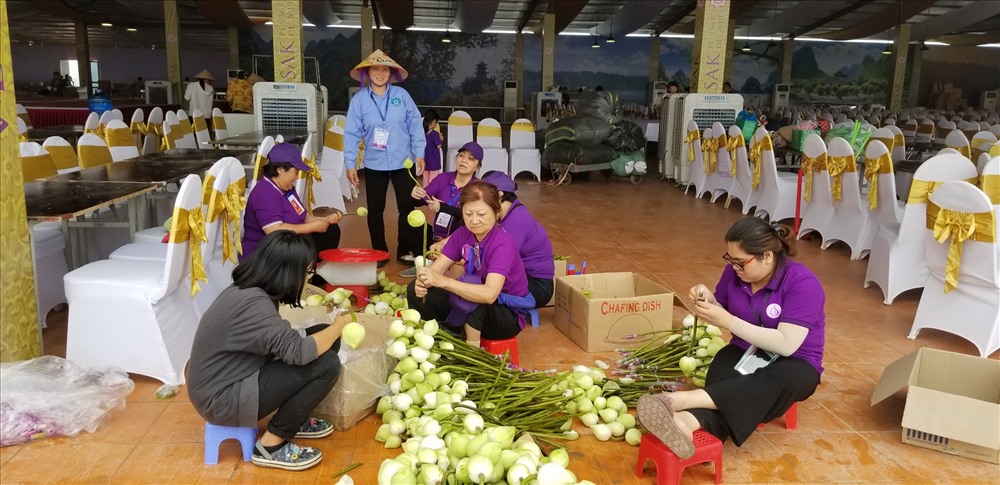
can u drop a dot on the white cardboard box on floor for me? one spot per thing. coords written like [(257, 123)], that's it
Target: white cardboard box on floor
[(598, 311), (952, 404)]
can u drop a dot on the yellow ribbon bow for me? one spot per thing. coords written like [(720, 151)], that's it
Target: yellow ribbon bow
[(185, 128), (311, 177), (959, 226), (189, 227), (710, 149), (691, 137), (837, 166), (139, 132), (97, 131), (873, 167), (229, 205), (810, 165), (754, 157), (732, 144)]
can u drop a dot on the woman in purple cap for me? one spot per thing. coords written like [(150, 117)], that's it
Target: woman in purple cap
[(488, 300), (274, 205), (773, 307), (441, 195), (529, 237)]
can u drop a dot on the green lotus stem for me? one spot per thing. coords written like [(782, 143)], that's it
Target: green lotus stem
[(345, 470)]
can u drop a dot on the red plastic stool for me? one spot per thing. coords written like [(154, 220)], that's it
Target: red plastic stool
[(497, 347), (791, 417), (669, 466)]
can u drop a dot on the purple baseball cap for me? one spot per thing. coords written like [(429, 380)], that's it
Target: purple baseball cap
[(287, 153), (502, 182), (474, 149)]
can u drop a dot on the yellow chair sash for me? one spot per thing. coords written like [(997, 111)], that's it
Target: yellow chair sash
[(199, 124), (185, 128), (963, 149), (63, 155), (754, 157), (258, 165), (36, 167), (522, 126), (155, 128), (459, 121), (312, 176), (489, 131), (97, 131), (690, 138), (334, 141), (888, 142), (959, 226), (920, 190), (119, 137), (92, 156), (837, 166), (328, 125), (991, 186), (26, 118), (995, 150), (732, 144), (810, 165), (229, 205), (873, 167), (710, 149), (219, 123), (23, 137), (138, 128), (898, 140), (189, 226)]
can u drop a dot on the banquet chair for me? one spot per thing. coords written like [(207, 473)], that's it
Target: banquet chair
[(851, 223), (777, 190), (260, 160), (279, 138), (120, 140), (137, 315), (22, 129), (305, 185), (137, 126), (881, 180), (36, 162), (186, 140), (720, 179), (898, 144), (350, 191), (741, 188), (817, 198), (154, 131), (890, 121), (329, 191), (897, 260), (695, 158), (103, 120), (219, 123), (941, 131), (495, 156), (989, 183), (910, 128), (22, 113), (459, 133), (48, 244), (116, 114), (92, 151), (173, 132), (524, 156), (956, 140), (63, 154), (963, 262), (202, 137), (925, 131), (706, 145), (981, 143)]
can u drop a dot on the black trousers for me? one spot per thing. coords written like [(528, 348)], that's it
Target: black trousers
[(745, 401), (295, 390), (376, 185), (541, 290), (327, 240), (494, 321)]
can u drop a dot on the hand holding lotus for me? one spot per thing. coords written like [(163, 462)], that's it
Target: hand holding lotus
[(713, 312), (434, 203), (429, 278), (701, 292)]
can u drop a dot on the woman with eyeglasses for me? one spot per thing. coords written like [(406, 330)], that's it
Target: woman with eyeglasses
[(773, 307), (491, 299), (247, 362)]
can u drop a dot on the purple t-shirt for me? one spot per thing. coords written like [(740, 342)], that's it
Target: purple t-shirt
[(449, 218), (432, 152), (268, 205), (531, 241), (497, 254), (793, 295)]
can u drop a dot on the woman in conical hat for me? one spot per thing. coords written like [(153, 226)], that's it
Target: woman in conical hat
[(200, 93), (387, 120)]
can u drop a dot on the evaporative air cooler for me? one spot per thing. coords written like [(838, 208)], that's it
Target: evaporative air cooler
[(704, 109), (291, 109)]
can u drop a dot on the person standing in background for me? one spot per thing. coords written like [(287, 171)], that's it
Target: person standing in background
[(199, 94), (388, 121), (432, 152), (239, 94)]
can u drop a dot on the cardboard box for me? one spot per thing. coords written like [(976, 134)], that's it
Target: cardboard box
[(952, 404), (614, 306), (560, 271), (300, 317)]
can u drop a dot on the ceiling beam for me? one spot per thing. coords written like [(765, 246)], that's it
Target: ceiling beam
[(969, 39), (565, 12), (58, 9), (527, 15), (319, 13), (736, 10), (896, 13), (670, 22), (631, 16), (224, 13), (825, 20), (395, 14), (475, 16), (955, 21)]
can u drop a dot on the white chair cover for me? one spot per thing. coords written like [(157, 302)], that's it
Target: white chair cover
[(22, 113), (106, 118), (63, 154), (524, 157), (260, 160), (720, 180), (329, 191), (897, 259), (889, 209), (817, 212), (459, 133), (972, 309), (741, 189), (489, 134), (187, 141), (495, 157), (925, 131), (136, 314), (116, 114), (777, 192), (203, 137), (956, 140), (220, 133), (93, 123), (698, 175), (124, 150), (92, 151), (151, 143), (350, 192), (850, 223)]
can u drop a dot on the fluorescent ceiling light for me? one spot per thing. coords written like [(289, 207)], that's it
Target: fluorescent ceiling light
[(995, 46), (106, 24), (132, 29)]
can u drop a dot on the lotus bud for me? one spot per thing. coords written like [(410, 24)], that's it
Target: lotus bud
[(608, 415), (594, 393), (626, 380), (703, 342), (713, 331), (423, 340), (408, 332), (383, 433), (570, 435), (382, 308), (601, 431), (393, 442), (447, 346), (419, 354), (610, 386), (687, 364), (362, 211), (414, 376), (718, 341), (589, 419), (407, 164), (555, 474), (566, 425), (369, 310), (688, 320), (396, 349), (432, 441), (600, 363), (434, 357), (395, 387), (701, 352), (402, 402), (713, 349), (477, 442), (581, 369), (445, 378), (473, 423), (480, 469), (420, 262), (698, 381), (633, 436), (388, 469), (431, 327), (560, 456), (427, 367), (600, 403), (626, 420), (616, 403), (442, 411), (458, 445), (384, 404), (617, 429), (462, 471), (431, 474), (410, 446), (583, 405), (517, 473), (585, 381), (416, 218), (508, 458)]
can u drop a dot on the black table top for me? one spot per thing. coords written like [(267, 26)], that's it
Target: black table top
[(65, 131), (212, 155), (136, 171), (254, 138), (59, 200)]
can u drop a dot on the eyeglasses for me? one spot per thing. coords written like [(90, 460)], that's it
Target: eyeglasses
[(740, 265)]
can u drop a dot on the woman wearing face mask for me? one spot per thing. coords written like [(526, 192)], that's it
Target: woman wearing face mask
[(387, 120), (489, 300), (773, 307)]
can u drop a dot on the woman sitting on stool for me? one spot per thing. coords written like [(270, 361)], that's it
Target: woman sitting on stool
[(490, 299)]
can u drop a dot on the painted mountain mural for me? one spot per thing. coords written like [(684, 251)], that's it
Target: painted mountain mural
[(829, 73)]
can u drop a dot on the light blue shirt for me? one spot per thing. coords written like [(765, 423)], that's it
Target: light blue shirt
[(397, 112)]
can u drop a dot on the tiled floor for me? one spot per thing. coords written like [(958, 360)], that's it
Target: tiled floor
[(652, 229)]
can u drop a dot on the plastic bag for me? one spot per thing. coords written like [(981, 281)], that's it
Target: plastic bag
[(50, 396), (364, 372), (748, 124), (626, 162), (857, 136)]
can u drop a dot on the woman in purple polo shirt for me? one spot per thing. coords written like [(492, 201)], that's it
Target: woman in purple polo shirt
[(488, 301), (273, 205), (773, 307)]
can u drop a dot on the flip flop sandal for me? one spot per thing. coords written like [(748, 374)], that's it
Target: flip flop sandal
[(657, 417)]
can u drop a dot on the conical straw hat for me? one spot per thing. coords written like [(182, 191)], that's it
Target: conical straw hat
[(378, 58), (204, 74)]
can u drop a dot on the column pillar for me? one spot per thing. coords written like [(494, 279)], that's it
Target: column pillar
[(654, 63), (519, 70), (83, 57), (730, 51), (899, 53), (377, 39), (20, 337), (287, 27), (548, 50), (367, 36), (171, 28), (710, 64), (918, 60), (234, 48), (787, 51)]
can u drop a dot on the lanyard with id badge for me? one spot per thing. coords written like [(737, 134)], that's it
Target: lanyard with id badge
[(755, 357), (448, 217), (380, 137)]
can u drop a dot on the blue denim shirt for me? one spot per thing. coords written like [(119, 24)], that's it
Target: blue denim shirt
[(397, 112)]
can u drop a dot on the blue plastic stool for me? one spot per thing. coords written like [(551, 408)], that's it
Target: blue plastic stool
[(534, 317), (215, 435)]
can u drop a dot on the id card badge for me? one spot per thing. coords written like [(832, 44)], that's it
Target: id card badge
[(443, 220), (754, 358), (380, 140), (296, 205)]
